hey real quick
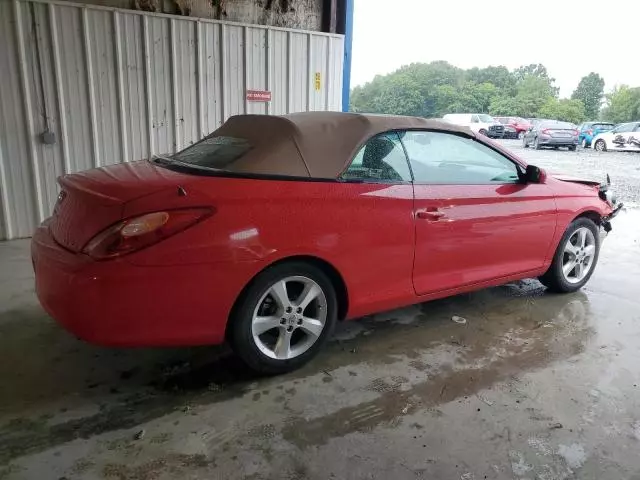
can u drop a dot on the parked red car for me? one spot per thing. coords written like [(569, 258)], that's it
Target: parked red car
[(519, 126), (271, 229)]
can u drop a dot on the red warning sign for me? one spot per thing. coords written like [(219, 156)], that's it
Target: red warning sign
[(258, 95)]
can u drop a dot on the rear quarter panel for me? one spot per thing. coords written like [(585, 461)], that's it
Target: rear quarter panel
[(365, 231)]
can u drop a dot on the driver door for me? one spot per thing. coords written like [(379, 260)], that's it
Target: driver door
[(475, 221)]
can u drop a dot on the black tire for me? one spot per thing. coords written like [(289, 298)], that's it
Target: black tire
[(239, 330), (600, 146), (536, 144), (483, 132), (572, 148), (553, 278)]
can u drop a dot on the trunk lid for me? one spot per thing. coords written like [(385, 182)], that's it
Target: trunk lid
[(560, 133), (91, 201)]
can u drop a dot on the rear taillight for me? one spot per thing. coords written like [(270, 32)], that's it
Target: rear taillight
[(589, 132), (142, 231), (546, 131)]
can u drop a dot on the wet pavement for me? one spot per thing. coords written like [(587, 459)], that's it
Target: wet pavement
[(532, 386)]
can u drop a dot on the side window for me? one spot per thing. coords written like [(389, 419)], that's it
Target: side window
[(444, 158), (475, 119), (637, 128), (626, 128), (382, 158)]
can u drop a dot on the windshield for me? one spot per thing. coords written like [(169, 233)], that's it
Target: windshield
[(218, 153), (486, 118)]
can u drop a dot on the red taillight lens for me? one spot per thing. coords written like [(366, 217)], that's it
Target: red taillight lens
[(576, 132), (545, 131), (142, 231)]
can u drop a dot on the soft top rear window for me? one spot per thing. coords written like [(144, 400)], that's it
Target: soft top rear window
[(603, 125), (218, 153)]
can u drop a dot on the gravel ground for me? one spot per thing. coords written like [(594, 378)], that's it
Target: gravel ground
[(622, 167)]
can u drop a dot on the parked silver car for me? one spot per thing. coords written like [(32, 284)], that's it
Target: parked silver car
[(551, 134)]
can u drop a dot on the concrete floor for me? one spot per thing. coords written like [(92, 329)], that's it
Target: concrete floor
[(533, 386)]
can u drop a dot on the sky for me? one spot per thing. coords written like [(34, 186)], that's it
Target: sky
[(581, 36)]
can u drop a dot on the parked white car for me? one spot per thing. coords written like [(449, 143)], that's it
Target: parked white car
[(477, 122), (625, 137)]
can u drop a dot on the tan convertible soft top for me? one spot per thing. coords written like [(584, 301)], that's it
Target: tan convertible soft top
[(314, 144)]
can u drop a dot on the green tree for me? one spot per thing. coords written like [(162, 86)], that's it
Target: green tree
[(567, 110), (532, 93), (500, 77), (590, 91), (506, 105), (623, 105)]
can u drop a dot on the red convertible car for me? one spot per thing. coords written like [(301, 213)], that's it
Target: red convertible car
[(273, 228)]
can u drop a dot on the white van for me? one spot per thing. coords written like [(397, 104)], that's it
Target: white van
[(477, 122)]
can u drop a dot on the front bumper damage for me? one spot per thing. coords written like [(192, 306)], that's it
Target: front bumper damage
[(606, 221)]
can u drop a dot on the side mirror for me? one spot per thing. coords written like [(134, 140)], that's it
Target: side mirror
[(533, 174)]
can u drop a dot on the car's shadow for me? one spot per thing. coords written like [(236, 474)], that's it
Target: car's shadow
[(55, 388)]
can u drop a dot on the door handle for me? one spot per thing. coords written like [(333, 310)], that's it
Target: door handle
[(429, 214)]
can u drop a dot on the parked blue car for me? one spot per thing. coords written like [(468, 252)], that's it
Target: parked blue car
[(588, 130)]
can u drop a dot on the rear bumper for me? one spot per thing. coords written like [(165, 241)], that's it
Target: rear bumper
[(116, 303), (558, 141)]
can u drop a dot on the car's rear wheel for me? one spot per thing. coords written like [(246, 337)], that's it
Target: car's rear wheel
[(572, 148), (536, 144), (575, 258), (525, 144), (600, 146), (283, 318)]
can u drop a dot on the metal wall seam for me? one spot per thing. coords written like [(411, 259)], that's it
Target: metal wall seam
[(267, 78), (92, 98), (327, 75), (147, 83), (26, 98), (223, 70), (199, 96), (57, 75), (245, 65), (177, 141), (6, 227), (310, 85), (289, 73), (118, 47)]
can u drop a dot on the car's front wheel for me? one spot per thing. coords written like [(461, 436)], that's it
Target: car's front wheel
[(283, 318), (536, 144), (575, 258), (600, 146)]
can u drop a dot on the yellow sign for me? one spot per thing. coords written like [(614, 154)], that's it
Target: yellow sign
[(318, 82)]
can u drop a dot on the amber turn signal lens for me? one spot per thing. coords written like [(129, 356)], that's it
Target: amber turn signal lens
[(144, 224)]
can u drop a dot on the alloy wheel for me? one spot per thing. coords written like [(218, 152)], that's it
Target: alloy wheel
[(578, 255), (289, 318)]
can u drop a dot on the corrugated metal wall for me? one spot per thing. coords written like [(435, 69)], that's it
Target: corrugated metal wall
[(118, 85)]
